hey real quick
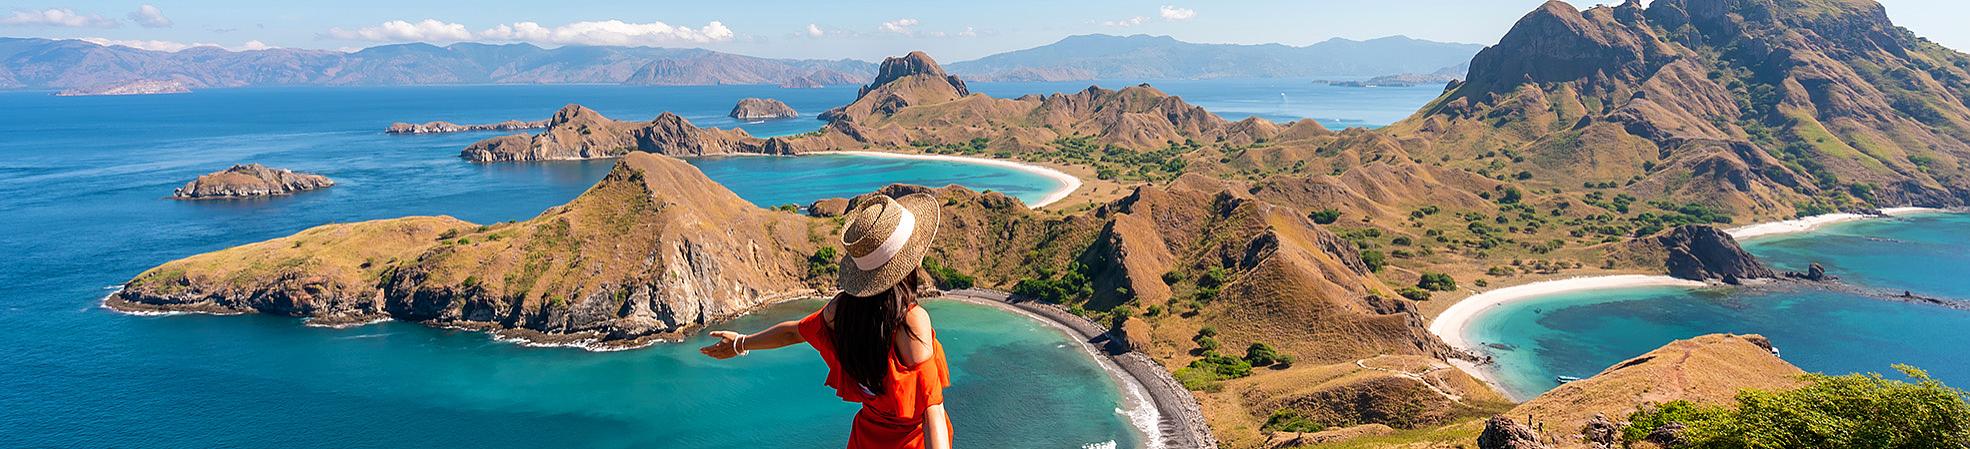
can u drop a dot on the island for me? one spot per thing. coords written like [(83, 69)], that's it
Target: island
[(250, 181), (441, 127), (753, 109), (147, 87), (1285, 274)]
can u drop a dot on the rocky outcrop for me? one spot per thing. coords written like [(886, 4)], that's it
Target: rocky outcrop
[(652, 249), (1503, 433), (578, 132), (1709, 369), (915, 64), (1601, 433), (131, 88), (441, 127), (1701, 253), (248, 181), (762, 109), (828, 207), (1814, 273)]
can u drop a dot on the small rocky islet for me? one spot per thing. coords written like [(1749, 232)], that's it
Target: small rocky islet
[(442, 127), (250, 181), (752, 109)]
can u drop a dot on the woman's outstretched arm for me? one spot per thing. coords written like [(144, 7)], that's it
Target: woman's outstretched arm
[(729, 343)]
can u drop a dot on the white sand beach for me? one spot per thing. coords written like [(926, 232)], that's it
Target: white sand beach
[(1450, 325), (1798, 225), (1068, 183)]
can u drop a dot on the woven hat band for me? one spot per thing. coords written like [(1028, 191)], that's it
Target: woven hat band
[(906, 224)]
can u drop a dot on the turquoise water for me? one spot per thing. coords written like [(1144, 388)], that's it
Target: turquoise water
[(83, 207), (1581, 333)]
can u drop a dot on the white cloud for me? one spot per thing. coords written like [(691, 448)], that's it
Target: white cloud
[(430, 30), (255, 45), (164, 46), (150, 17), (1175, 13), (968, 32), (1125, 23), (57, 17), (815, 31), (900, 26), (609, 32)]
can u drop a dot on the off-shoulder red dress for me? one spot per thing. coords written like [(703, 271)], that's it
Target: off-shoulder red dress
[(894, 418)]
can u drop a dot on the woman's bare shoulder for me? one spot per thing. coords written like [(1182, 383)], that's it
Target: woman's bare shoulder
[(919, 321)]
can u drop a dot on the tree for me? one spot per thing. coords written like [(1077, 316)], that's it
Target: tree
[(1261, 354), (1436, 282)]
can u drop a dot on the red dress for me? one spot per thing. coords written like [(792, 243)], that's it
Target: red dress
[(895, 418)]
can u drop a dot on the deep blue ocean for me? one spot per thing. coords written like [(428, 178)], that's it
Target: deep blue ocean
[(1834, 332), (84, 183)]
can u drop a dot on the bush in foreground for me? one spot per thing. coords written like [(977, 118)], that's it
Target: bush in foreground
[(1850, 411)]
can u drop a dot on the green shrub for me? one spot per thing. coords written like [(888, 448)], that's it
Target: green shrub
[(1374, 259), (1289, 420), (1195, 379), (1261, 354), (1850, 411), (1436, 282), (1325, 216), (946, 277), (1414, 294), (824, 262), (1224, 366)]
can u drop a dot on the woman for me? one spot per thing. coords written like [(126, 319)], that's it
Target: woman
[(878, 344)]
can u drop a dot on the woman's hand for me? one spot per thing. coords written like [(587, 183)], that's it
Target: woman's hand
[(726, 347)]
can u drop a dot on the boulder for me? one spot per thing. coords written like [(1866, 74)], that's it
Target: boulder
[(828, 207), (1503, 433)]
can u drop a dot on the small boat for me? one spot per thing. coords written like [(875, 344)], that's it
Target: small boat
[(1566, 379)]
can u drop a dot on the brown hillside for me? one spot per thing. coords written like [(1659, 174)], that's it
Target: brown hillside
[(1709, 368), (578, 132)]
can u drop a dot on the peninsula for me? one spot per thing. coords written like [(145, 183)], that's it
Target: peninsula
[(131, 88)]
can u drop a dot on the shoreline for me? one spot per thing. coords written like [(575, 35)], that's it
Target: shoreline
[(1453, 325), (1806, 224), (1068, 183), (1164, 413)]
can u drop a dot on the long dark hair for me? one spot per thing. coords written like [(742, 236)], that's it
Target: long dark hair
[(865, 330)]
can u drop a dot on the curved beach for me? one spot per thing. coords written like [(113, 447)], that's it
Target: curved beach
[(1799, 225), (1068, 183), (1164, 413)]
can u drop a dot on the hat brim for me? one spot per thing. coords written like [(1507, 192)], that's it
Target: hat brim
[(929, 216)]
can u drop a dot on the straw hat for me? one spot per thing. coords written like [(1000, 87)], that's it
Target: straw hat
[(885, 240)]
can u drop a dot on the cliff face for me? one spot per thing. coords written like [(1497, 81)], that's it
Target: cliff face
[(654, 248), (1700, 253), (250, 180), (577, 132), (1755, 106)]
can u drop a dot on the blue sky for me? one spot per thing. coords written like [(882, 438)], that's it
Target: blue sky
[(869, 30)]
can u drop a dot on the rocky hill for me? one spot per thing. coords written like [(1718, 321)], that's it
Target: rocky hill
[(762, 109), (652, 249), (1145, 57), (1759, 107), (1705, 369), (248, 181), (577, 132)]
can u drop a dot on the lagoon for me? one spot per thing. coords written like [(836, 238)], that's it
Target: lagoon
[(1836, 332)]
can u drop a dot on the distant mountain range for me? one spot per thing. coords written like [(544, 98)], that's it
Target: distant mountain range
[(34, 63), (1145, 57), (62, 64)]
